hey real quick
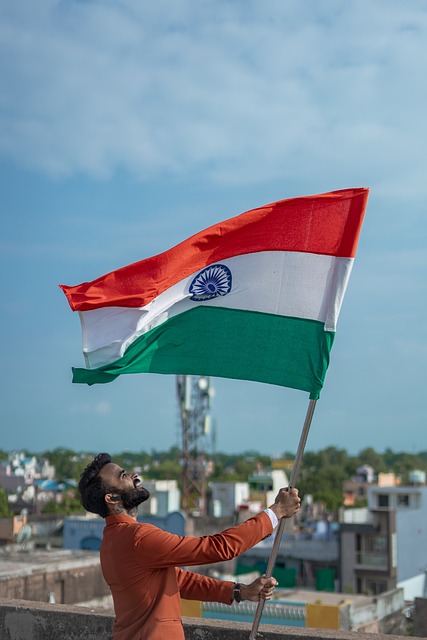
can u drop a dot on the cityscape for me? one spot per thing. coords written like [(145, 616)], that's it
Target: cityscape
[(231, 196), (359, 538)]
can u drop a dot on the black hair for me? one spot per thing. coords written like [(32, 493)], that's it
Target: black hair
[(92, 488)]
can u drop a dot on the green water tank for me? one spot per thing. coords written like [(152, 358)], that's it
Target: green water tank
[(325, 580)]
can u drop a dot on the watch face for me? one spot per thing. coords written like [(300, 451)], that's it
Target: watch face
[(237, 594)]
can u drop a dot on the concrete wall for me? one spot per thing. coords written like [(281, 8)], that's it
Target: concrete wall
[(348, 562), (420, 617), (414, 587), (81, 530), (78, 582), (9, 527), (411, 525), (20, 620), (227, 496), (386, 617)]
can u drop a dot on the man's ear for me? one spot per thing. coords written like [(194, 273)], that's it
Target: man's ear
[(112, 497)]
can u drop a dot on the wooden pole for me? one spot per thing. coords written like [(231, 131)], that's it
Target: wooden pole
[(282, 522)]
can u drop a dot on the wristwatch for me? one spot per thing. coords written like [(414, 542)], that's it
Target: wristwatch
[(237, 594)]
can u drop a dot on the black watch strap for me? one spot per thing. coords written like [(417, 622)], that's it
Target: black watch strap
[(237, 594)]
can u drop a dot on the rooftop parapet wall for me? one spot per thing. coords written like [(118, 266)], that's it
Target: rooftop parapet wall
[(24, 620)]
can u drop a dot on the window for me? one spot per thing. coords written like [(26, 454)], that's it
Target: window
[(383, 500), (376, 544), (358, 542), (371, 551), (402, 500), (375, 587)]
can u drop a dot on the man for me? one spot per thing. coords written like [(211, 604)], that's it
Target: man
[(141, 563)]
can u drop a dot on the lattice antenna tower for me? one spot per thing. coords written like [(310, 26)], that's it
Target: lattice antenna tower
[(194, 397)]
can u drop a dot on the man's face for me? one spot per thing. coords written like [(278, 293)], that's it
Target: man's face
[(127, 485)]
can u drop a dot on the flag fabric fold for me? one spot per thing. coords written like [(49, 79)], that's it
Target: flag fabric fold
[(256, 297)]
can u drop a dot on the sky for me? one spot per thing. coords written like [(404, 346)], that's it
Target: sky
[(127, 126)]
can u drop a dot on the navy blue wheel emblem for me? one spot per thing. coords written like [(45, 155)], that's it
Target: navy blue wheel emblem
[(210, 283)]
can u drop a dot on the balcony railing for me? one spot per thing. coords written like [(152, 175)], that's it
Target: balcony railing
[(275, 613), (378, 560)]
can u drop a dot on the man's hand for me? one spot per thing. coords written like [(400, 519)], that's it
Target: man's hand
[(287, 503), (261, 588)]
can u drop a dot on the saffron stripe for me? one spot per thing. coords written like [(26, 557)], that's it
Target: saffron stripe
[(326, 224)]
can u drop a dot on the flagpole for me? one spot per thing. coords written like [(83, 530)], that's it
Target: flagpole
[(282, 522)]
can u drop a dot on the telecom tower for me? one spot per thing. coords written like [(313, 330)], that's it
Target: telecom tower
[(194, 398)]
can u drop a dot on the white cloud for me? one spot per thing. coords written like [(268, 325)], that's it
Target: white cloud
[(102, 408), (247, 91)]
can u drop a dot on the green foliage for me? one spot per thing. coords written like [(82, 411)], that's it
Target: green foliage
[(68, 464), (322, 473), (237, 467), (129, 459), (68, 506), (4, 504), (370, 457), (165, 470)]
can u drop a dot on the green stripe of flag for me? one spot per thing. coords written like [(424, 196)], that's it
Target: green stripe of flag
[(228, 343)]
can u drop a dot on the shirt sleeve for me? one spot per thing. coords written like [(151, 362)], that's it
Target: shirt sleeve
[(156, 548), (274, 519), (193, 586)]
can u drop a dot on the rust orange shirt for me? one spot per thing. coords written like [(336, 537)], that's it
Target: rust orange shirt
[(140, 563)]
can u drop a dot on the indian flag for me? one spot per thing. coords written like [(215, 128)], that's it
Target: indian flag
[(256, 297)]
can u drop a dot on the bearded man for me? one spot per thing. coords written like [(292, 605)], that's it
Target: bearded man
[(142, 563)]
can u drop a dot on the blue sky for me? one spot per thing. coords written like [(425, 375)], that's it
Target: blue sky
[(127, 126)]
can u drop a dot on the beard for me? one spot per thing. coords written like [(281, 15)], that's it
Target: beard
[(134, 497)]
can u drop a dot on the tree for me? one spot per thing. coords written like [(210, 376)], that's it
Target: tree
[(375, 460), (68, 505), (68, 464), (166, 470), (322, 475), (5, 512)]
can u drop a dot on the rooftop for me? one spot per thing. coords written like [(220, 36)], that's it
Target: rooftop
[(14, 561)]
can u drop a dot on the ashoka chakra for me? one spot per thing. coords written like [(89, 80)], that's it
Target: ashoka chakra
[(210, 283)]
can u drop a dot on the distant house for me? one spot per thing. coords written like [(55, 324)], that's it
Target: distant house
[(355, 489), (227, 497), (85, 532), (384, 545), (265, 484), (8, 480), (21, 476)]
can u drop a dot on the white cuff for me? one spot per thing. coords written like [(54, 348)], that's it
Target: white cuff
[(274, 519)]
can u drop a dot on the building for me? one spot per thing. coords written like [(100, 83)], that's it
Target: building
[(385, 545), (8, 480), (409, 504), (227, 497), (85, 532), (368, 551), (165, 497), (304, 560), (265, 484), (21, 477)]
